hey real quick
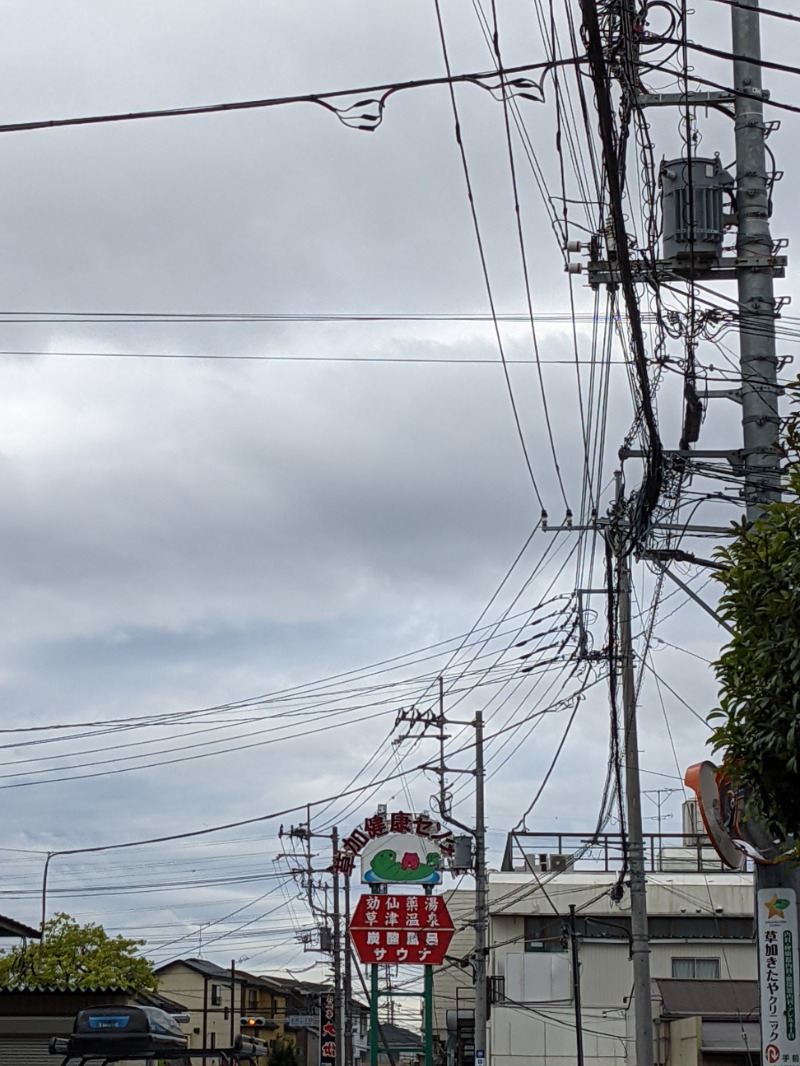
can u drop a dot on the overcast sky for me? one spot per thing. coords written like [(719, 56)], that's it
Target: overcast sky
[(222, 514)]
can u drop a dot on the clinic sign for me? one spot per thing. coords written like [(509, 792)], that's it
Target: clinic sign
[(397, 848), (778, 970)]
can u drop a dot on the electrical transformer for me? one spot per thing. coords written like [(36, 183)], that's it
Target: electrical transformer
[(692, 208)]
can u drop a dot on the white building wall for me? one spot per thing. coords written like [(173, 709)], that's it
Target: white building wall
[(538, 1029)]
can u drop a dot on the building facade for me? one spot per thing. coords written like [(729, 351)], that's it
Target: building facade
[(701, 930)]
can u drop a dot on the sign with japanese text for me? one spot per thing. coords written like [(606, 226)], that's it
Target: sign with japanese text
[(401, 929), (327, 1029), (397, 848), (778, 975)]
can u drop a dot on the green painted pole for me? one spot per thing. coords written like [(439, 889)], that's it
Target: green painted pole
[(373, 1018), (428, 992)]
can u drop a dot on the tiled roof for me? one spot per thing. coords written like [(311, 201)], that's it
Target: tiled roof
[(94, 990)]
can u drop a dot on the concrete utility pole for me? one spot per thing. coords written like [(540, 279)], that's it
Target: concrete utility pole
[(348, 978), (640, 944), (481, 953), (337, 955), (757, 308), (754, 274), (481, 903)]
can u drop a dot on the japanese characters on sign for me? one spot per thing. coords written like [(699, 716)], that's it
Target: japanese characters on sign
[(327, 1029), (397, 848), (401, 929), (778, 968)]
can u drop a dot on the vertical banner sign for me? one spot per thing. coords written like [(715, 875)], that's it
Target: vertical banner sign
[(327, 1029), (778, 975)]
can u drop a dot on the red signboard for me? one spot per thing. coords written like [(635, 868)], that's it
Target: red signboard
[(401, 929)]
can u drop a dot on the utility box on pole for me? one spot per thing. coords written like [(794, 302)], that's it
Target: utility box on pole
[(692, 205)]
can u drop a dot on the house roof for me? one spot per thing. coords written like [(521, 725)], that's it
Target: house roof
[(398, 1037), (273, 984), (207, 969), (155, 999), (9, 927), (66, 990), (708, 999)]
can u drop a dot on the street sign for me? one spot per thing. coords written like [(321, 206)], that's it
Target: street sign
[(401, 929), (778, 978), (327, 1029), (397, 848)]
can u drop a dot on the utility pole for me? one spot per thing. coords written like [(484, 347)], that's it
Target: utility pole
[(757, 309), (754, 275), (342, 974), (640, 944), (576, 984), (659, 802), (481, 902), (481, 952), (337, 953), (348, 979)]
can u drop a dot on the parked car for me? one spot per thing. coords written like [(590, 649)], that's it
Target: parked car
[(122, 1032)]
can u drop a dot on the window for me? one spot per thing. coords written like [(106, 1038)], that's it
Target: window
[(547, 932), (212, 1039), (700, 927), (544, 934), (252, 998), (216, 995), (696, 969)]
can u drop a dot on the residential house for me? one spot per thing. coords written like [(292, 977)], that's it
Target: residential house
[(407, 1047), (215, 999)]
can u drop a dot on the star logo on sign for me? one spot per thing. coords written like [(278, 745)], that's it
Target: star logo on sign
[(776, 907)]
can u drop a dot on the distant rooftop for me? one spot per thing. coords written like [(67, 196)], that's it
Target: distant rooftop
[(208, 969), (8, 927), (528, 852)]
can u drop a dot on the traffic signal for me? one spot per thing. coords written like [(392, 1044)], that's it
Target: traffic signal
[(252, 1023), (250, 1046)]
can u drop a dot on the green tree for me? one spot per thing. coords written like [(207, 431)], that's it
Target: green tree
[(78, 956), (756, 727), (282, 1053)]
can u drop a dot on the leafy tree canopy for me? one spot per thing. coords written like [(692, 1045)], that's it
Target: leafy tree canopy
[(77, 956), (756, 728), (282, 1053)]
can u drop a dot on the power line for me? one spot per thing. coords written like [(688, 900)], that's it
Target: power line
[(324, 99)]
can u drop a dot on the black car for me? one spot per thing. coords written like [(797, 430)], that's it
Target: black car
[(123, 1032)]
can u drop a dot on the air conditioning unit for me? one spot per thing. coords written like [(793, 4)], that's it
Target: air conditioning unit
[(556, 863)]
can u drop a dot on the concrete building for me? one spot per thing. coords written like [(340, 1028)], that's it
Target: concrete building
[(701, 930)]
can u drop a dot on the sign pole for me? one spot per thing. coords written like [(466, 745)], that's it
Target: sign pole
[(428, 998), (373, 1017)]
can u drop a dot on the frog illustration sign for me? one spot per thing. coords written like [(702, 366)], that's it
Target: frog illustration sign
[(397, 849)]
